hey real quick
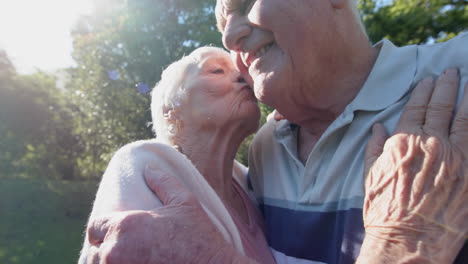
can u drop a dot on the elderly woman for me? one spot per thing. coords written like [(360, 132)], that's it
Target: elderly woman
[(202, 110)]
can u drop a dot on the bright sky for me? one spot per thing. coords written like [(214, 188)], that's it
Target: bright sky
[(36, 33)]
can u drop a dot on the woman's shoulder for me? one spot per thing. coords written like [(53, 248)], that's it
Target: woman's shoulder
[(142, 146), (146, 151)]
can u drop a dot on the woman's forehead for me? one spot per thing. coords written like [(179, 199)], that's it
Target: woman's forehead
[(215, 57)]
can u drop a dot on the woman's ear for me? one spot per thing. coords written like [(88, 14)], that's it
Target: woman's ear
[(172, 115)]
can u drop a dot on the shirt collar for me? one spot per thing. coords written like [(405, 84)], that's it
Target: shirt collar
[(390, 79), (284, 128)]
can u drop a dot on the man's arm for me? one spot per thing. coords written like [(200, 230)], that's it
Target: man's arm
[(123, 187), (417, 181), (178, 232)]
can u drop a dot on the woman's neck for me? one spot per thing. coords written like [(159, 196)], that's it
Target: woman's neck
[(212, 153)]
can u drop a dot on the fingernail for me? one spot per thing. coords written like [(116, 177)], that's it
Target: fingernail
[(451, 71)]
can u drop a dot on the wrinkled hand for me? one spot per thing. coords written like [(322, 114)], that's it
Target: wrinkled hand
[(178, 232), (417, 181)]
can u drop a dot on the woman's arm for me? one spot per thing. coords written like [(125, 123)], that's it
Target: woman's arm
[(178, 232), (417, 181), (148, 233)]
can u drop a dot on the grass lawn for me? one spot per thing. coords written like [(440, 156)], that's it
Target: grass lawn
[(42, 221)]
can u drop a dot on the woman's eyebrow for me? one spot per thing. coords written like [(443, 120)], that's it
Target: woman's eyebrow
[(218, 62)]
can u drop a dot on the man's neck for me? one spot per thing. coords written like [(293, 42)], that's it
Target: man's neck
[(317, 111), (316, 108), (305, 144)]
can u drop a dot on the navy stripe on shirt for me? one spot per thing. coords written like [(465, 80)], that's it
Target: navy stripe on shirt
[(330, 237)]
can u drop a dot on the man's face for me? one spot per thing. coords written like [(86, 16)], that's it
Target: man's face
[(282, 44)]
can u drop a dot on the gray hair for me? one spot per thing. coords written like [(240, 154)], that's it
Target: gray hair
[(170, 92)]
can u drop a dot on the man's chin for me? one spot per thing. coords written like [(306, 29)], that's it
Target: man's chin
[(260, 94)]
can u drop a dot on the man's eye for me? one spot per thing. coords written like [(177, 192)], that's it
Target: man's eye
[(218, 71)]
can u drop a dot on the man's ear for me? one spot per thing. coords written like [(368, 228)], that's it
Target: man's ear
[(339, 4)]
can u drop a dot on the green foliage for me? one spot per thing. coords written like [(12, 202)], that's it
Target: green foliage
[(37, 135), (118, 49), (71, 132), (49, 132), (414, 21)]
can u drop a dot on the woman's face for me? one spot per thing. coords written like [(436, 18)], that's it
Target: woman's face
[(217, 94)]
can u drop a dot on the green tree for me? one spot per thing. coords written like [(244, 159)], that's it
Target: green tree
[(37, 139), (120, 52), (414, 21), (122, 48)]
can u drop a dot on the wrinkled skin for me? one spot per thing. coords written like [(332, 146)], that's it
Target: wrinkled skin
[(176, 233), (414, 209), (417, 181)]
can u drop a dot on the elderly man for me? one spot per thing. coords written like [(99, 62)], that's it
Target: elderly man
[(311, 60)]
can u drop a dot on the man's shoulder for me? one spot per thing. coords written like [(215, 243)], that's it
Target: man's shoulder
[(267, 133), (433, 60), (271, 129), (453, 50)]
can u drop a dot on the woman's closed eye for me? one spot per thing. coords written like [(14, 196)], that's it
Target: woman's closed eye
[(218, 71)]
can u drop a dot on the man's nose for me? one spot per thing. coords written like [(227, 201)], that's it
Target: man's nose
[(236, 30)]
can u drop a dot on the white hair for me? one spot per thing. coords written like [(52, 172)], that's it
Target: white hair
[(170, 92)]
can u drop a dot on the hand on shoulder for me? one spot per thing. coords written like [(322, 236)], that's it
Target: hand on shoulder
[(417, 181)]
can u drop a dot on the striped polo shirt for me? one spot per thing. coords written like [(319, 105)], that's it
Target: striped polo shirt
[(313, 211)]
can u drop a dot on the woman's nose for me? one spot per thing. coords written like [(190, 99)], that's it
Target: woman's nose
[(236, 30)]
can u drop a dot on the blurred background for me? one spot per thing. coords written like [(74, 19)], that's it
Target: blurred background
[(75, 77)]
